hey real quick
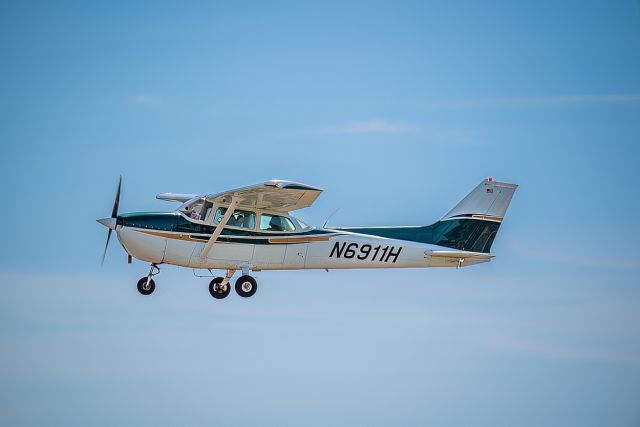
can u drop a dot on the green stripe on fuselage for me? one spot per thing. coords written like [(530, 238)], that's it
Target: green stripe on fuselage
[(174, 222), (466, 234)]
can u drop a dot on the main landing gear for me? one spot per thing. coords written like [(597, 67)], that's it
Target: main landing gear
[(220, 287), (146, 285), (246, 286)]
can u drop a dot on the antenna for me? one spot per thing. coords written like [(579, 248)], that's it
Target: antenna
[(329, 217)]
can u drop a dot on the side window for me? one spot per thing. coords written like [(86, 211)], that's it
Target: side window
[(219, 214), (242, 219), (301, 224), (207, 212), (275, 223)]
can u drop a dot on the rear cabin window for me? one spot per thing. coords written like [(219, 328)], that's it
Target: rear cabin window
[(302, 225), (241, 219), (276, 223)]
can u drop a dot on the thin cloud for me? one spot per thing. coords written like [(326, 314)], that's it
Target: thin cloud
[(571, 256), (583, 99), (427, 133), (547, 350), (542, 101), (146, 99), (374, 126)]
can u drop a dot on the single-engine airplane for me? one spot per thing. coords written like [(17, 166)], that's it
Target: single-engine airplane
[(251, 229)]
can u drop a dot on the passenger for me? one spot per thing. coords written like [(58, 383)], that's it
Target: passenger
[(276, 224), (233, 220)]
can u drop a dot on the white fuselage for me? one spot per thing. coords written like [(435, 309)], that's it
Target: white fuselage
[(334, 250)]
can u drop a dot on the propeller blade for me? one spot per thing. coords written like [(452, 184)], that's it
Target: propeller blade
[(104, 254), (114, 214), (116, 203)]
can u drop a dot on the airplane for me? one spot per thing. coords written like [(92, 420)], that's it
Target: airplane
[(251, 229)]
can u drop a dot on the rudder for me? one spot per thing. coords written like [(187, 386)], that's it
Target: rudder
[(489, 200)]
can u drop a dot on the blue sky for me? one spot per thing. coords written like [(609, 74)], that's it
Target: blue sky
[(397, 110)]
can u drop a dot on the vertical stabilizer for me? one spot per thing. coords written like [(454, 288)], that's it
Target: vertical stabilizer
[(489, 200)]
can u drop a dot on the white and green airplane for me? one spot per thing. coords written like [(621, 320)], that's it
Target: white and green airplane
[(251, 229)]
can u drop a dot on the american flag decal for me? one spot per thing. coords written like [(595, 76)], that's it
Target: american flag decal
[(489, 190)]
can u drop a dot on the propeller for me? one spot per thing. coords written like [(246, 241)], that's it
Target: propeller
[(110, 223)]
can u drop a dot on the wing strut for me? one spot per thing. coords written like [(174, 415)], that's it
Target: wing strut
[(221, 225)]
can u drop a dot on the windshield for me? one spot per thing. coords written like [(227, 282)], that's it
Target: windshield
[(193, 209)]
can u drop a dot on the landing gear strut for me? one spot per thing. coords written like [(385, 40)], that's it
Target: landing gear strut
[(146, 285)]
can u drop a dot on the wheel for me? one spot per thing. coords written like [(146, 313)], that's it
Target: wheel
[(146, 288), (246, 286), (216, 290)]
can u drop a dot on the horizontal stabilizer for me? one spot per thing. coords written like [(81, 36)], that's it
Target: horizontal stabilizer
[(459, 255)]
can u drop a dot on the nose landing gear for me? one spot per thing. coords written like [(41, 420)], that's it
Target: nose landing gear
[(146, 285)]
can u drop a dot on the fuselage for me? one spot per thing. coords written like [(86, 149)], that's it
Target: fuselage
[(175, 238)]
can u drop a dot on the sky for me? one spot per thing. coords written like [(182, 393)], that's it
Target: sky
[(397, 109)]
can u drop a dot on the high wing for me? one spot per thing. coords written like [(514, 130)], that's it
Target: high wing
[(275, 195), (174, 197)]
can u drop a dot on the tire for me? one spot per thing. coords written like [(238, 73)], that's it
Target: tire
[(144, 289), (246, 286), (215, 291)]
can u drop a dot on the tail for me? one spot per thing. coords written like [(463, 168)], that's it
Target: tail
[(470, 226), (474, 222)]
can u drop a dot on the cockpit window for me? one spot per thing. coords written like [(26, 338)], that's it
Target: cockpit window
[(242, 219), (276, 223), (194, 210)]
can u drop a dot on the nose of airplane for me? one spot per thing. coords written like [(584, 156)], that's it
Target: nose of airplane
[(110, 223)]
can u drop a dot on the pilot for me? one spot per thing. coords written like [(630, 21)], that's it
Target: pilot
[(195, 212)]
